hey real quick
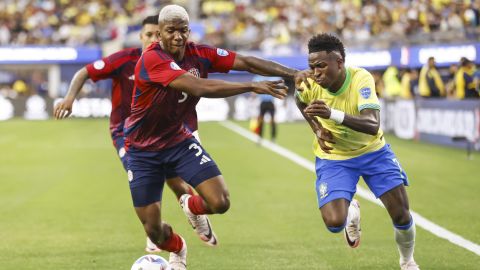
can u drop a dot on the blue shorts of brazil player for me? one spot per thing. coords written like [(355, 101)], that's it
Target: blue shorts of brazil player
[(147, 170), (338, 178)]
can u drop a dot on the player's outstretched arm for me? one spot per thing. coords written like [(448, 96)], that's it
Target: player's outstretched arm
[(367, 122), (64, 108), (265, 67), (218, 89), (323, 135)]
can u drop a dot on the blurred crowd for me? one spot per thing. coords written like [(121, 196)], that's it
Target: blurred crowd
[(459, 81), (267, 25), (270, 26)]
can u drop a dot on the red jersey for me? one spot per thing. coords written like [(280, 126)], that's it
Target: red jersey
[(119, 67), (158, 113)]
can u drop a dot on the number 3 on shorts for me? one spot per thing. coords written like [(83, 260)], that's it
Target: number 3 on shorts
[(196, 147)]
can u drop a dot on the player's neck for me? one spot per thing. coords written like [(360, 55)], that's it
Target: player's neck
[(339, 83), (178, 57)]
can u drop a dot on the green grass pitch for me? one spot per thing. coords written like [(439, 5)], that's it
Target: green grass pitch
[(65, 204)]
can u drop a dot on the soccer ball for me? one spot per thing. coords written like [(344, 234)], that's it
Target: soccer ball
[(151, 262)]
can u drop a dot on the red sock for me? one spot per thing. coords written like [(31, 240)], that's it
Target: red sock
[(195, 204), (172, 244)]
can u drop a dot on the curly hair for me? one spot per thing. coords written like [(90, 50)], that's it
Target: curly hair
[(326, 42)]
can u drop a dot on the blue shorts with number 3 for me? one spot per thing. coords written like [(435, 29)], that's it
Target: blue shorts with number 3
[(338, 178), (147, 169)]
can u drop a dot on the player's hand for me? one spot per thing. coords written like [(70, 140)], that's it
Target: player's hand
[(63, 109), (277, 89), (301, 77), (323, 136), (318, 108)]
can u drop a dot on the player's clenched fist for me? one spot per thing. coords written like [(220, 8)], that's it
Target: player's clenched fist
[(318, 108)]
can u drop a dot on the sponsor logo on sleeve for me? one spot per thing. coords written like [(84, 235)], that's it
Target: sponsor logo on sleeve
[(174, 66), (99, 64), (365, 92), (222, 52)]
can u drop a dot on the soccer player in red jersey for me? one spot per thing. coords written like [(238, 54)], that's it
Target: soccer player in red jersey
[(120, 68), (169, 81)]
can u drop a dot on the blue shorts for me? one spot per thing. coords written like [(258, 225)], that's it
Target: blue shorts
[(119, 144), (338, 178), (147, 170)]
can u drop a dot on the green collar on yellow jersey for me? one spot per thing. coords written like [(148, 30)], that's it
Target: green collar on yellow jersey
[(345, 84)]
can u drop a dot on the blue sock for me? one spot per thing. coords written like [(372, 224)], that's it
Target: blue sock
[(336, 229), (406, 226)]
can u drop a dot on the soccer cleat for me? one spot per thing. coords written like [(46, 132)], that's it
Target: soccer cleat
[(411, 265), (178, 261), (353, 230), (200, 223), (151, 247)]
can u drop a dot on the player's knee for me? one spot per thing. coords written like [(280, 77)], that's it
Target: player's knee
[(401, 217), (220, 205), (334, 224)]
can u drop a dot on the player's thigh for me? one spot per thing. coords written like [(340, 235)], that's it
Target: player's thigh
[(396, 203), (382, 171), (150, 214), (146, 177), (214, 191), (336, 179), (193, 163)]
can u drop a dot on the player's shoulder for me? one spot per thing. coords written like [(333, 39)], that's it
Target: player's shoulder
[(155, 53), (314, 86), (359, 75), (358, 72)]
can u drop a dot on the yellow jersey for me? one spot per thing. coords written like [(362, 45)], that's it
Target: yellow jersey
[(357, 93)]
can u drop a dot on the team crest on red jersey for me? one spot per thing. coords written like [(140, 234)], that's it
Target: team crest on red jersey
[(194, 72)]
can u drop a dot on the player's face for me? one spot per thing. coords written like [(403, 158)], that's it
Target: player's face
[(149, 35), (326, 67), (174, 35)]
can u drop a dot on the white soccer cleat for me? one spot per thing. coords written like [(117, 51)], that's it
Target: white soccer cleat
[(178, 261), (200, 223), (411, 265), (353, 230), (151, 247)]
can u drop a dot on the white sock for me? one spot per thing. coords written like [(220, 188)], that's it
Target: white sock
[(406, 243), (352, 213)]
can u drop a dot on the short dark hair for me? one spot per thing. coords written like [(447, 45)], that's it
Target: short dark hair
[(326, 42), (150, 20)]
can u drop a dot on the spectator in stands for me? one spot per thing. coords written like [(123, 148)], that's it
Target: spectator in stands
[(450, 86), (393, 88), (466, 83), (430, 83), (409, 82)]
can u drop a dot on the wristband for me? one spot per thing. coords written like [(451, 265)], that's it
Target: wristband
[(337, 116)]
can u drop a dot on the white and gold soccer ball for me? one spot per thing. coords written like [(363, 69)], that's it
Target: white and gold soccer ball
[(151, 262)]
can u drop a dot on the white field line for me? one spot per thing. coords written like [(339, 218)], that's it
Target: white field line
[(366, 194)]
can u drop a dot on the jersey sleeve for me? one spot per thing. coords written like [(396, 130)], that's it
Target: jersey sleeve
[(364, 88), (307, 95), (220, 60), (158, 68), (107, 67)]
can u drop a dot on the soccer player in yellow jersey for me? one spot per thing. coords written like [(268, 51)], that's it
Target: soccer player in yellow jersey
[(342, 108)]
